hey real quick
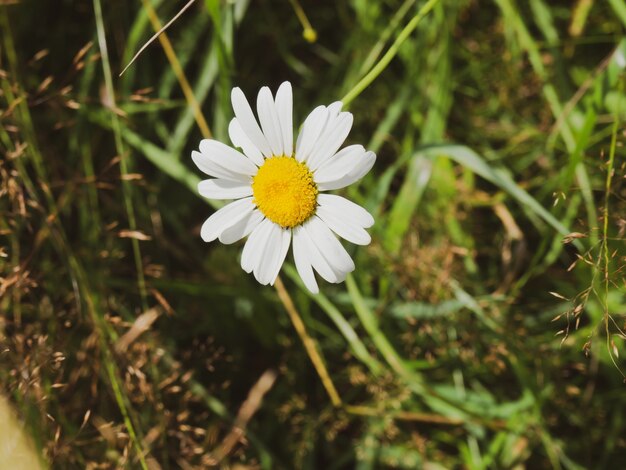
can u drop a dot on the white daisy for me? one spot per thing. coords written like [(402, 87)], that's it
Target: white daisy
[(280, 193)]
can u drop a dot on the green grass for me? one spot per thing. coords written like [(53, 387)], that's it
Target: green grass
[(482, 328)]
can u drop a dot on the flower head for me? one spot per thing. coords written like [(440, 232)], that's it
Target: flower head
[(279, 192)]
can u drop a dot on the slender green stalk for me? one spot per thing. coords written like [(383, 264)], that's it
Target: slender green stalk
[(384, 37), (390, 54), (119, 398), (605, 226), (131, 221), (370, 323), (610, 170), (119, 145)]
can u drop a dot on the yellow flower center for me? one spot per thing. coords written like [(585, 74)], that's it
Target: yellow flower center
[(284, 191)]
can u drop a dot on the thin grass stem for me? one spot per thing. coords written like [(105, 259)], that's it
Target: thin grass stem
[(178, 70), (126, 187), (308, 342), (371, 326), (390, 54), (605, 226)]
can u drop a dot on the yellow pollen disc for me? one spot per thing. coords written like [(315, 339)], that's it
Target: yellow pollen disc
[(284, 191)]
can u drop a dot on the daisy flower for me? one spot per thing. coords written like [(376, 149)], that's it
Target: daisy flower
[(280, 193)]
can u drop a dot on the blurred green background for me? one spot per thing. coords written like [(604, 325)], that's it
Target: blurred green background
[(482, 328)]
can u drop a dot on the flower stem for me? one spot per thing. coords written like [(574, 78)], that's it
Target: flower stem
[(308, 342), (390, 54)]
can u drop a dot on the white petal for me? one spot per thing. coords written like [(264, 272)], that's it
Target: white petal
[(224, 189), (248, 123), (267, 249), (316, 258), (364, 165), (301, 257), (330, 248), (282, 254), (334, 109), (332, 138), (208, 166), (342, 227), (284, 107), (228, 157), (242, 228), (252, 251), (340, 164), (311, 130), (266, 109), (342, 207), (274, 252), (239, 139), (224, 218)]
